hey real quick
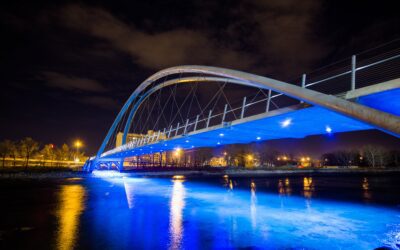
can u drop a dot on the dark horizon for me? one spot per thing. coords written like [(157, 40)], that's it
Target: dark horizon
[(67, 68)]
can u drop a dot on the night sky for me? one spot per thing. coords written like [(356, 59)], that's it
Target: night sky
[(67, 67)]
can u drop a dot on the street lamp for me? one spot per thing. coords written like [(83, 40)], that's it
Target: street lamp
[(77, 144)]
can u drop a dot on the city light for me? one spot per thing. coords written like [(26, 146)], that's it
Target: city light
[(177, 151), (78, 144), (178, 177), (286, 122), (328, 129)]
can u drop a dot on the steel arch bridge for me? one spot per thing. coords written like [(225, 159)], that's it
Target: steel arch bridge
[(370, 106)]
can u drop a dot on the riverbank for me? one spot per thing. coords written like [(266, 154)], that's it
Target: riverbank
[(65, 172)]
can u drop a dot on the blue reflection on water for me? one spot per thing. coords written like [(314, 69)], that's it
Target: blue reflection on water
[(126, 212)]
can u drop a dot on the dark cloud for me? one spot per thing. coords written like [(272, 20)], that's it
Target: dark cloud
[(153, 50), (67, 82), (100, 101), (288, 33), (282, 33)]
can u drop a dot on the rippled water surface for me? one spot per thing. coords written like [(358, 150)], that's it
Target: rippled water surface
[(287, 212)]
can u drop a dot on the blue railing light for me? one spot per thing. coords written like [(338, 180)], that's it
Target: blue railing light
[(258, 138), (221, 134), (187, 141), (218, 143)]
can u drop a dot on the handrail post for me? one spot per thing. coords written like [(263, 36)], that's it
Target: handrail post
[(177, 128), (224, 114), (170, 130), (269, 100), (195, 124), (158, 135), (353, 72), (303, 81), (165, 133), (209, 117), (243, 107), (185, 130)]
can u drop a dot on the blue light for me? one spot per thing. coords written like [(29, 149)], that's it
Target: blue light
[(187, 141), (328, 129), (258, 138), (286, 122), (271, 220), (221, 134)]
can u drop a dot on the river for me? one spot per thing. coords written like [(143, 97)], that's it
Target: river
[(109, 211)]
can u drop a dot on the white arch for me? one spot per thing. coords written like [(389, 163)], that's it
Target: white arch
[(383, 121)]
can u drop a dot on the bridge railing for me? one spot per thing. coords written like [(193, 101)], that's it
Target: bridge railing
[(347, 75)]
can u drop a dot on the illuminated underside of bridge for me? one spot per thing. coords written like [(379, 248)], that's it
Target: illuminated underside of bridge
[(376, 106), (292, 122)]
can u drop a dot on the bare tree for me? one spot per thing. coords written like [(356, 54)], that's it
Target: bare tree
[(345, 157), (6, 148), (376, 156), (63, 153), (48, 152), (28, 146)]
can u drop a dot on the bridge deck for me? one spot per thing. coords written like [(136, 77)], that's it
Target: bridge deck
[(293, 122)]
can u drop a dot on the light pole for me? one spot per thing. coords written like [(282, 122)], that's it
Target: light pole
[(78, 144)]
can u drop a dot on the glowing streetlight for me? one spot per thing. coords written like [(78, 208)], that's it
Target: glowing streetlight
[(78, 144)]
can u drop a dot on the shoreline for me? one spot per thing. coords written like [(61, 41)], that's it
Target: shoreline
[(39, 174)]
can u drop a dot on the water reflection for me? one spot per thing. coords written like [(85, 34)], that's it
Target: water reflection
[(129, 191), (176, 210), (253, 204), (308, 187), (284, 188), (70, 208), (365, 187)]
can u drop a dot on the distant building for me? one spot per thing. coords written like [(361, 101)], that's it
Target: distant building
[(130, 137)]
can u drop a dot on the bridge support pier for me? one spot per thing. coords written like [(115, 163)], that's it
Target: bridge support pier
[(120, 165)]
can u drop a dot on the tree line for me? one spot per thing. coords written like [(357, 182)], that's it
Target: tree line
[(367, 156), (28, 149)]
